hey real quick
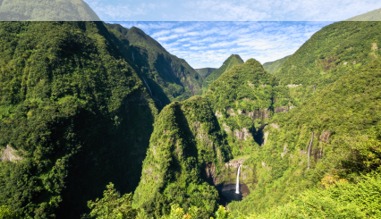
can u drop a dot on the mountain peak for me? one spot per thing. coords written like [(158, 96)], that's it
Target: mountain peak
[(374, 15), (235, 57), (46, 10)]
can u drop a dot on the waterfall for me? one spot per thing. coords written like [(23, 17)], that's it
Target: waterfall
[(237, 183)]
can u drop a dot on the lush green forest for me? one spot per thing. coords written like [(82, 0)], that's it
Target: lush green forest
[(100, 121), (73, 112), (167, 77), (228, 64)]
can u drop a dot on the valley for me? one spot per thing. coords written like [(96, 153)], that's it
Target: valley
[(100, 121)]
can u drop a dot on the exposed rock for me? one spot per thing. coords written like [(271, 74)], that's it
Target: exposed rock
[(210, 172), (234, 163), (226, 128), (259, 114), (293, 85), (230, 112), (275, 126), (10, 154), (324, 137), (265, 137), (285, 150), (218, 114), (243, 134), (281, 109)]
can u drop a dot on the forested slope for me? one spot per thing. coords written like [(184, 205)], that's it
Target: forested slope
[(75, 113), (169, 78)]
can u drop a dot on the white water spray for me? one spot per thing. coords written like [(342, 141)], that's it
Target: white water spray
[(237, 183)]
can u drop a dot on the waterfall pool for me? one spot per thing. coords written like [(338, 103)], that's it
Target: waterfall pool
[(228, 193)]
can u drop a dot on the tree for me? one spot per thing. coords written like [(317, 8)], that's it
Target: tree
[(112, 205)]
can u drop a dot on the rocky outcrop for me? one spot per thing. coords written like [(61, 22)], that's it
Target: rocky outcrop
[(243, 134), (258, 114), (211, 174), (10, 154), (234, 163)]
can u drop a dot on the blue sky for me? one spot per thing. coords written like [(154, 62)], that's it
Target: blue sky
[(206, 32), (230, 10), (208, 44)]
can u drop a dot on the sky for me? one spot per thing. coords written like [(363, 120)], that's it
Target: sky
[(207, 32), (208, 44), (230, 10)]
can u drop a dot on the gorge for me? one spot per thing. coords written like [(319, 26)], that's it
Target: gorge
[(101, 121)]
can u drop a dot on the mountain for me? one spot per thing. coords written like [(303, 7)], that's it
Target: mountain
[(332, 139), (167, 77), (244, 98), (79, 113), (274, 66), (205, 72), (228, 63), (187, 151), (193, 140), (74, 116), (287, 143), (332, 52), (374, 15), (329, 142), (46, 10)]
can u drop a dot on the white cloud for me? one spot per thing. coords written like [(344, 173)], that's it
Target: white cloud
[(208, 44), (227, 10)]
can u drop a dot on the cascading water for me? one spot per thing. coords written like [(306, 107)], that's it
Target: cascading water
[(237, 183)]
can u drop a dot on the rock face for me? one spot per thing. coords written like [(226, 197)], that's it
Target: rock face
[(234, 163), (259, 114), (229, 173), (10, 154), (243, 134), (211, 173)]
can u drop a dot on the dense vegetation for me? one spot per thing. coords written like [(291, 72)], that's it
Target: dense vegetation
[(79, 118), (228, 64), (244, 98), (69, 106), (274, 66), (205, 72), (332, 52), (186, 152), (331, 138), (167, 77)]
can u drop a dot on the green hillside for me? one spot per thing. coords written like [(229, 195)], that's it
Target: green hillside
[(187, 150), (100, 121), (274, 66), (324, 144), (205, 72), (244, 99), (374, 15), (228, 64), (46, 10), (167, 77), (331, 139), (74, 116), (330, 53)]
